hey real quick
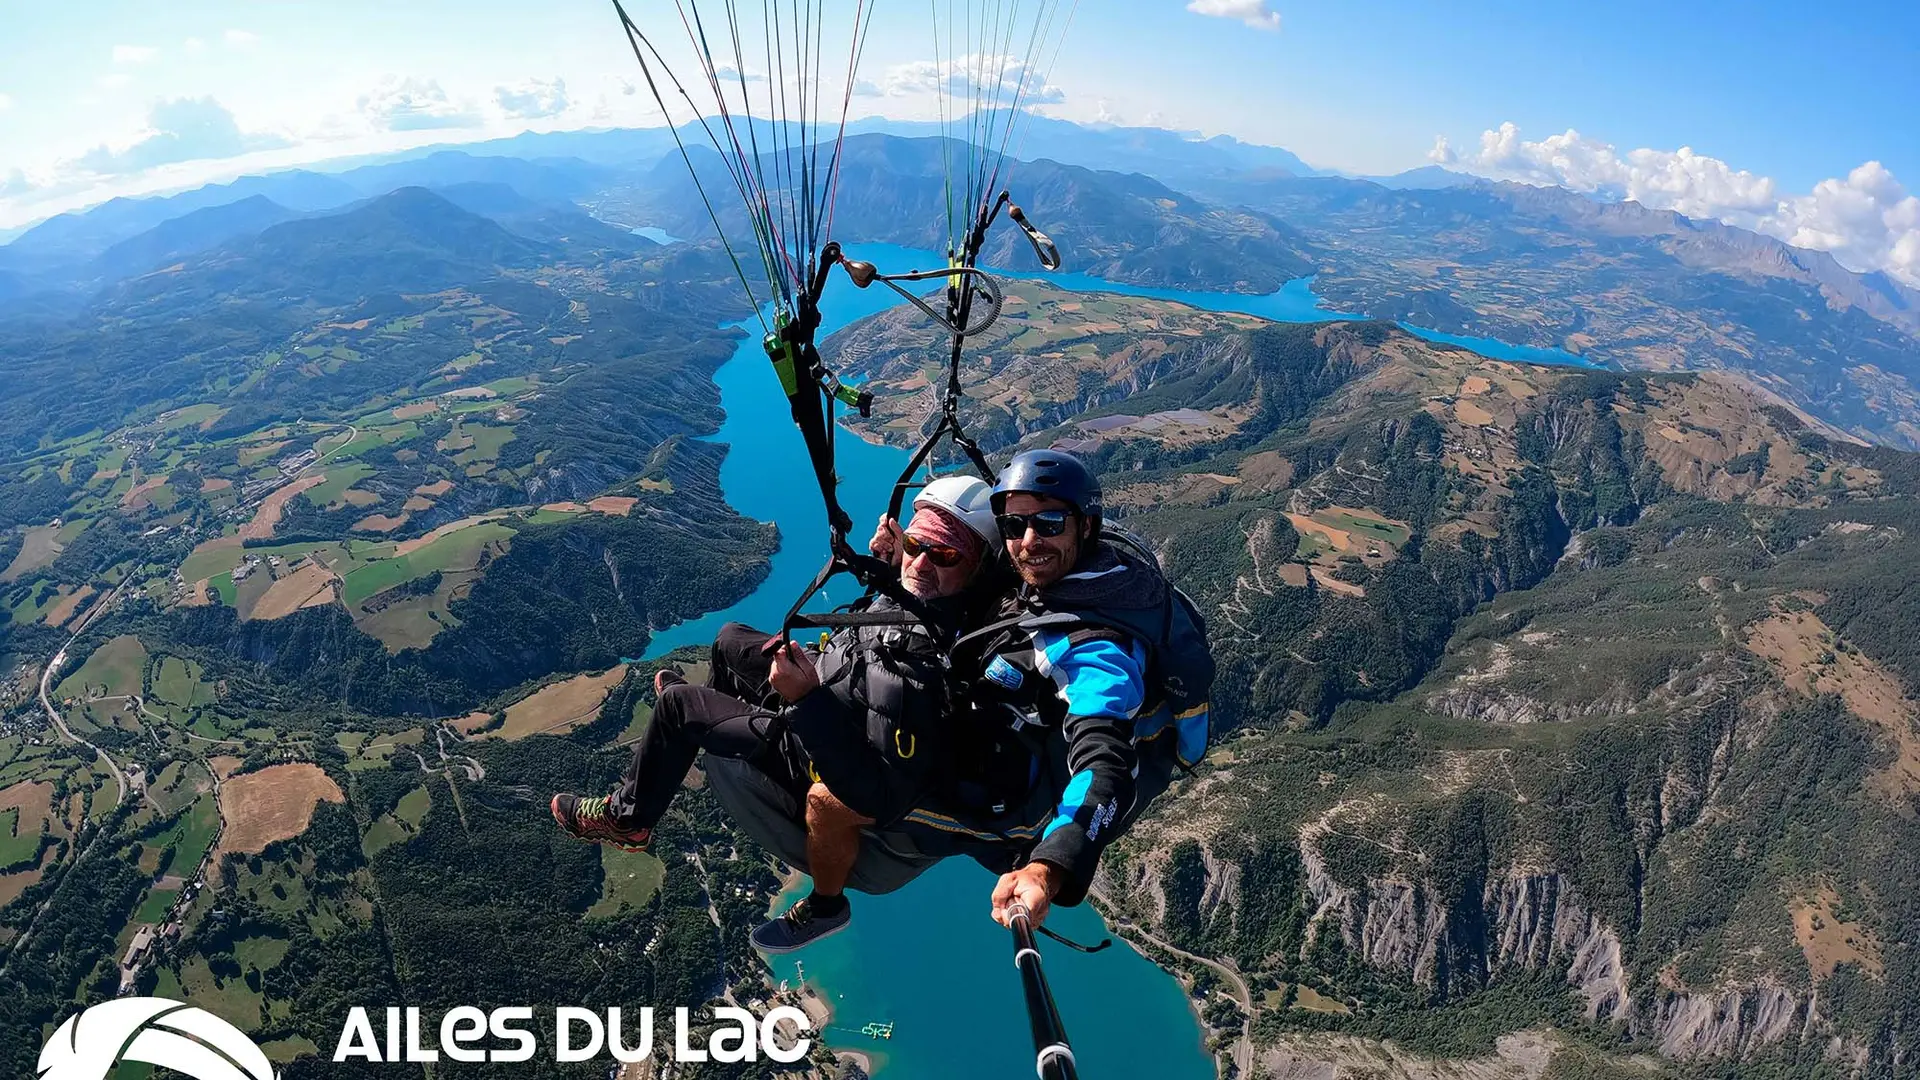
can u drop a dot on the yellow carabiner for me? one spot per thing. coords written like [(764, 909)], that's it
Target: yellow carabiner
[(906, 751)]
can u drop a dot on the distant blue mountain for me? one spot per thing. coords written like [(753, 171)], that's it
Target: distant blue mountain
[(71, 251), (174, 239), (1425, 178), (1172, 157), (556, 181), (541, 220)]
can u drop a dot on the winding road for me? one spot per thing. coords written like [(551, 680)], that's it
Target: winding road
[(75, 852), (1242, 1052), (46, 698)]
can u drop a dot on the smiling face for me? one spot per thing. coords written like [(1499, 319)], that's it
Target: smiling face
[(1043, 560)]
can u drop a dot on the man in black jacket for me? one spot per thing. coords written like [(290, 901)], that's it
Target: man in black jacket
[(861, 739)]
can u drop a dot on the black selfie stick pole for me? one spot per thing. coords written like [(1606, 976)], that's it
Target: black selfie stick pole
[(1052, 1057)]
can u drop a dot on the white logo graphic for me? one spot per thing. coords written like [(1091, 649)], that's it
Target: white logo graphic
[(172, 1035)]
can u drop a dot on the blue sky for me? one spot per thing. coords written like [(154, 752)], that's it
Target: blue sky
[(91, 95)]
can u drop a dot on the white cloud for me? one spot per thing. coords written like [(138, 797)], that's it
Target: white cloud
[(194, 46), (183, 129), (412, 104), (1867, 220), (241, 39), (1254, 13), (115, 81), (991, 79), (14, 182), (134, 54), (6, 102), (532, 99)]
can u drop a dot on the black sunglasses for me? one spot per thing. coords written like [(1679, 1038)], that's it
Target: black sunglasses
[(1042, 522), (944, 556)]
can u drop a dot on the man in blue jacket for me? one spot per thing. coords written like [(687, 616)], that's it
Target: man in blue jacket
[(1075, 686)]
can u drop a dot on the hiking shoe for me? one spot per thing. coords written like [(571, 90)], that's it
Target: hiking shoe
[(592, 820), (799, 927)]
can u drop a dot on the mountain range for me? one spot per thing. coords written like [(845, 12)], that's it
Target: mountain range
[(1569, 682), (1624, 285), (1566, 716)]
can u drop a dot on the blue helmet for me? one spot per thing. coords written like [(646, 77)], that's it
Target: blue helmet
[(1053, 473)]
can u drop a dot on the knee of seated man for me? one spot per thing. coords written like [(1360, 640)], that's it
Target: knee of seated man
[(825, 809)]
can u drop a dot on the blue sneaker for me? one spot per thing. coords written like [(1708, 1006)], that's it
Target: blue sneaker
[(800, 927)]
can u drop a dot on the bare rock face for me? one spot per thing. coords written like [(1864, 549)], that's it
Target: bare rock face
[(1534, 921), (1729, 1022), (1537, 923), (1523, 1055)]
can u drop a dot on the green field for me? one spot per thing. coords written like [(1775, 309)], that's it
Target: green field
[(155, 907), (117, 666), (548, 517), (163, 498), (457, 551), (630, 880), (250, 456), (337, 482), (191, 416), (190, 835), (1372, 528), (14, 846), (375, 437), (382, 834), (229, 999), (517, 384), (413, 806), (260, 953), (341, 555), (224, 587), (473, 443), (177, 682), (26, 610), (281, 1051)]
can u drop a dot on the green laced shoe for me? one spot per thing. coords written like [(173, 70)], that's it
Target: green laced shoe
[(592, 820)]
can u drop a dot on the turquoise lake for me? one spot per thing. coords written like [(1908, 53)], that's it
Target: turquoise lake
[(927, 957)]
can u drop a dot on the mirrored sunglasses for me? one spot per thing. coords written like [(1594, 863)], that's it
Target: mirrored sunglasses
[(1043, 523)]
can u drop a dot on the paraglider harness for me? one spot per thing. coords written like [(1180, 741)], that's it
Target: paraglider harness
[(1172, 722), (798, 362)]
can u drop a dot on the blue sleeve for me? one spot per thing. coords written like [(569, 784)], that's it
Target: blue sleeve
[(1103, 681)]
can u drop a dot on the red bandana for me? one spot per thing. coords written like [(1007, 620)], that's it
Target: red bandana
[(935, 526)]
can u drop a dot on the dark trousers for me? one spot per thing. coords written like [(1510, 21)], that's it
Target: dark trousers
[(729, 716)]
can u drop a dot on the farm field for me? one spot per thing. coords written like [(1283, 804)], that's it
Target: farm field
[(556, 708), (375, 752), (115, 668), (332, 491), (309, 585), (275, 803), (38, 547), (267, 518), (68, 605), (177, 681), (189, 836), (18, 844), (458, 550), (628, 880)]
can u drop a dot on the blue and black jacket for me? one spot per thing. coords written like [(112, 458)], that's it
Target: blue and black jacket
[(1068, 695)]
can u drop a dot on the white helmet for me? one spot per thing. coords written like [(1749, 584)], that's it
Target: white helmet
[(967, 498)]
